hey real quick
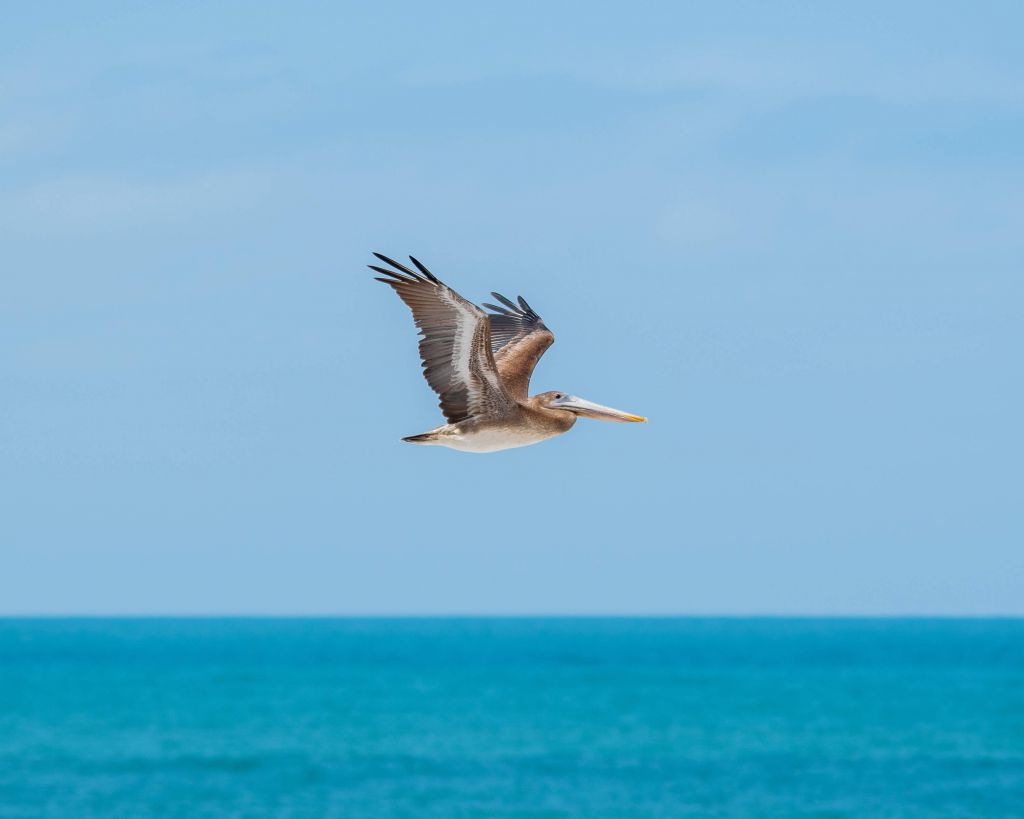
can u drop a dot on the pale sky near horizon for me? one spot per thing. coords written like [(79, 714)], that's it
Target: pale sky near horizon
[(791, 234)]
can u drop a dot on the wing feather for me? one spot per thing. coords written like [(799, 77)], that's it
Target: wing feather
[(455, 343), (518, 340)]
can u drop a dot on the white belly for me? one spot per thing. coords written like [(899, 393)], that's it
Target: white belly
[(493, 440)]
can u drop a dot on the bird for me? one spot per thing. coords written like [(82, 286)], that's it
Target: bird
[(480, 364)]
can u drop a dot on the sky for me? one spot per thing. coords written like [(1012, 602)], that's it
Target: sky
[(791, 234)]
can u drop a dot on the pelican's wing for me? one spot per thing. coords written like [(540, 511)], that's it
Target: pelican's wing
[(518, 340), (455, 345)]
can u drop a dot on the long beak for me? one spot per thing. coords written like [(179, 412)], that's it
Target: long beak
[(589, 409)]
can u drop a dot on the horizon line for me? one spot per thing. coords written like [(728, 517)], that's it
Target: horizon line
[(504, 616)]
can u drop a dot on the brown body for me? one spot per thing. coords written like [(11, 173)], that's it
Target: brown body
[(527, 423)]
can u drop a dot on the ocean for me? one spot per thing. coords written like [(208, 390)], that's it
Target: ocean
[(548, 717)]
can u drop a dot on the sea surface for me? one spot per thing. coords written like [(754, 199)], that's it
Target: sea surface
[(511, 718)]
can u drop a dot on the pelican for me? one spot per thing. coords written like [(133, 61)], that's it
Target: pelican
[(480, 365)]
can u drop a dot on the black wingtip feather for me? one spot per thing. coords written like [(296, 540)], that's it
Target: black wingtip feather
[(398, 266), (507, 302), (393, 274), (424, 270)]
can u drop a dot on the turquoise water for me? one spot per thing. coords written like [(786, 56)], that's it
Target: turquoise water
[(512, 718)]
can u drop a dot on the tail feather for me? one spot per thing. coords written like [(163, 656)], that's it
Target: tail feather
[(423, 438)]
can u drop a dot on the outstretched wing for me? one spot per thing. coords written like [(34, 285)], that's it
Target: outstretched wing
[(518, 340), (455, 345)]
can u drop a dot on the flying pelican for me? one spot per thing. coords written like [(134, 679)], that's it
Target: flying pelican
[(480, 366)]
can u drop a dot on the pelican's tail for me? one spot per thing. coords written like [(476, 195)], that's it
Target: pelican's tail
[(425, 438)]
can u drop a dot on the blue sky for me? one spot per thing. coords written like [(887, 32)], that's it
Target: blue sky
[(791, 234)]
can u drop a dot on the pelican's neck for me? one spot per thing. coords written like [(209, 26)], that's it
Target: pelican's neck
[(559, 419)]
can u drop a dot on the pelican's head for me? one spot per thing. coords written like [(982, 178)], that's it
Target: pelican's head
[(584, 408)]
